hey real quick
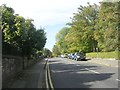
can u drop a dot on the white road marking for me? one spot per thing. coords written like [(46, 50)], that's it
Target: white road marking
[(117, 79), (53, 71), (92, 71), (62, 71), (73, 70), (77, 65)]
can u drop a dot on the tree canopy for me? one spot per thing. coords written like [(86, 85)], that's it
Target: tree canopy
[(19, 35), (93, 28)]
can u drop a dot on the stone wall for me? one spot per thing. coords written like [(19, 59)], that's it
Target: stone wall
[(11, 66)]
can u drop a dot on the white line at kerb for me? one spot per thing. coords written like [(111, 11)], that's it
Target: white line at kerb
[(92, 71)]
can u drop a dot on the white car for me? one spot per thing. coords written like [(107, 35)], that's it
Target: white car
[(62, 56)]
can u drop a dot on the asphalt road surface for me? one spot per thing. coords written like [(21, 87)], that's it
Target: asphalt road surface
[(66, 73)]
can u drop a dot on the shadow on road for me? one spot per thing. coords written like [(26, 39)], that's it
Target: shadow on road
[(88, 59), (72, 76)]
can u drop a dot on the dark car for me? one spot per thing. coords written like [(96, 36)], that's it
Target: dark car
[(79, 56)]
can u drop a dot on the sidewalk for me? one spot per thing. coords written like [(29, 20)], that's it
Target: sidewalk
[(108, 62), (30, 78)]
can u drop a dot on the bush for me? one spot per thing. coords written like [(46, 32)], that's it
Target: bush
[(115, 55)]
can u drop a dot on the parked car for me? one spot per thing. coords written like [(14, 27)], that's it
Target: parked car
[(79, 56), (64, 55), (68, 56), (71, 56)]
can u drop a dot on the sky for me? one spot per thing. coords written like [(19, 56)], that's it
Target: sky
[(52, 15)]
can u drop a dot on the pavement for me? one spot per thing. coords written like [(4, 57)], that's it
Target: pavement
[(108, 62), (31, 77)]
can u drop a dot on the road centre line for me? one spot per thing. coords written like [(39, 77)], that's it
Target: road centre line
[(77, 65), (92, 71)]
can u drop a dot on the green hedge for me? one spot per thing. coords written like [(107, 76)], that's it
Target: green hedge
[(115, 55)]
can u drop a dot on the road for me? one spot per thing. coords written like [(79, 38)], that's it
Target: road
[(66, 73)]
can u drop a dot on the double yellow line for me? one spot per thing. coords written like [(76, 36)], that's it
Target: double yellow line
[(49, 84)]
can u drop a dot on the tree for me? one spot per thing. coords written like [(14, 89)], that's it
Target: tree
[(56, 51), (107, 27), (40, 39), (47, 52), (19, 35), (60, 39), (8, 30), (92, 28), (81, 35)]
